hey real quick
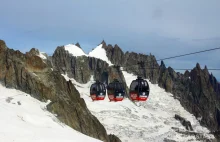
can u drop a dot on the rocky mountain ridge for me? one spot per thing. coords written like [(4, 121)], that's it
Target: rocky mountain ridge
[(35, 76), (197, 90)]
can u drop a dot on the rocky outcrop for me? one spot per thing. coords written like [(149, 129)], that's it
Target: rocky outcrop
[(184, 122), (142, 65), (114, 54), (31, 74), (139, 64), (197, 91), (216, 134), (113, 138), (78, 45), (83, 68), (198, 136), (80, 68)]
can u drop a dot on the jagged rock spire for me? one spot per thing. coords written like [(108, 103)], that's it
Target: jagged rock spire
[(34, 51), (2, 44), (162, 65), (78, 45), (206, 70), (116, 46), (103, 43), (187, 73), (198, 66)]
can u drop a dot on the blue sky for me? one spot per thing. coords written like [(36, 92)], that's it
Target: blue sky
[(161, 27)]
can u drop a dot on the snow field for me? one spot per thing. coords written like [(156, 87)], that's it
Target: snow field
[(25, 119)]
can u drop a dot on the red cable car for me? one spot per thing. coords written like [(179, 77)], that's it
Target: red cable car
[(116, 91), (139, 90), (97, 91)]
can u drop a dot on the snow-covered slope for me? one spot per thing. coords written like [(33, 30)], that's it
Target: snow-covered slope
[(100, 53), (41, 54), (150, 121), (97, 52), (25, 119), (75, 50)]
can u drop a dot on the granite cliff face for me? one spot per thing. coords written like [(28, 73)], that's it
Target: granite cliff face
[(198, 92), (35, 76), (131, 62), (82, 68)]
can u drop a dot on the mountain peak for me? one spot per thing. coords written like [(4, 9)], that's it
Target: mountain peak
[(78, 45), (198, 66), (34, 51), (103, 43), (116, 46), (206, 70), (162, 65), (2, 44)]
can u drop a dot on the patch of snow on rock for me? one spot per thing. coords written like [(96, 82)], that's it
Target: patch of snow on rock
[(41, 55)]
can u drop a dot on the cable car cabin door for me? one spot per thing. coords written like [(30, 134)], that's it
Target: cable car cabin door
[(97, 91)]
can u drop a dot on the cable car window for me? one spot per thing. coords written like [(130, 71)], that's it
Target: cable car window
[(118, 86), (99, 87), (144, 86), (134, 86), (121, 85), (94, 88), (102, 87)]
